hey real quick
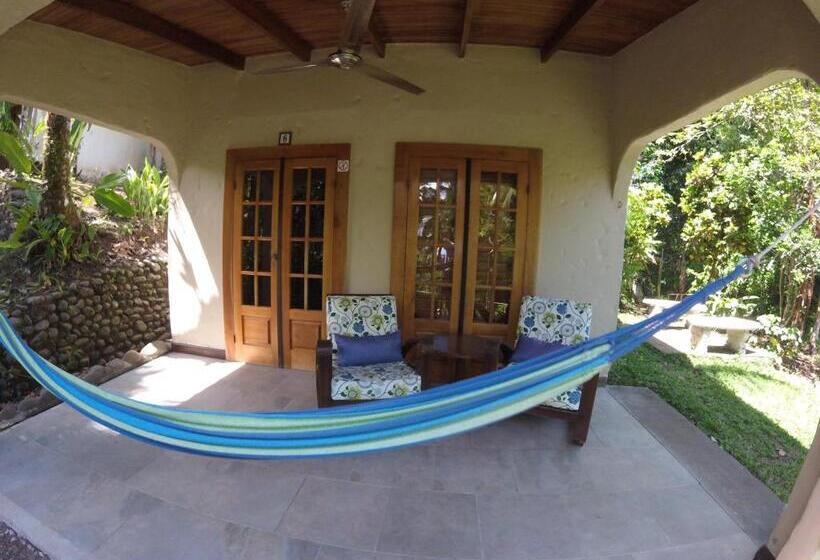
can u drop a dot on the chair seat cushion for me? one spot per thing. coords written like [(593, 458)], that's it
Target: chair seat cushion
[(571, 400), (377, 381)]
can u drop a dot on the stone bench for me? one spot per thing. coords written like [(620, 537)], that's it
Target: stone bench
[(660, 305), (737, 331)]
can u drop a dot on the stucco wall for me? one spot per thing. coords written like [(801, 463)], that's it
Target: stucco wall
[(499, 96)]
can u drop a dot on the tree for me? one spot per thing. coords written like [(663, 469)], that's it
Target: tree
[(57, 199), (646, 213)]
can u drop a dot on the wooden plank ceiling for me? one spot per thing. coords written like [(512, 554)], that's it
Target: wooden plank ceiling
[(195, 32)]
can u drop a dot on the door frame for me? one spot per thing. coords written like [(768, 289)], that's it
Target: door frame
[(236, 157), (405, 151)]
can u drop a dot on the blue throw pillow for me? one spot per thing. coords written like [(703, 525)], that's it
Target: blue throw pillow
[(368, 350), (529, 348)]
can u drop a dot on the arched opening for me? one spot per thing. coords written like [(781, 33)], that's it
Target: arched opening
[(701, 196), (83, 241)]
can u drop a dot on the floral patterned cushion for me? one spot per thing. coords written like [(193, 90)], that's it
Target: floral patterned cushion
[(361, 316), (377, 381), (557, 320)]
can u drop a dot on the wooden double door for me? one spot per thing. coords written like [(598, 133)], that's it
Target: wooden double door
[(286, 255), (468, 238)]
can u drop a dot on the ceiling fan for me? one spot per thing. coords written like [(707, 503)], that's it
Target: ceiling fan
[(347, 55)]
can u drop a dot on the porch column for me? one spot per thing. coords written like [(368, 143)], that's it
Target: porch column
[(795, 537)]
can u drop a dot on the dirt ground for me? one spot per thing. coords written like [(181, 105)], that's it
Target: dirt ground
[(15, 547)]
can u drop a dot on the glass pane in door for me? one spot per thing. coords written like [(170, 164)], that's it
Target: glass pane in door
[(496, 236), (436, 235)]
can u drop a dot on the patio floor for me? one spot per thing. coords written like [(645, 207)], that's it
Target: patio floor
[(516, 490)]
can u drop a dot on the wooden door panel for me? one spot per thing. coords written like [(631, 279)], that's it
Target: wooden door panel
[(435, 245), (307, 255), (496, 248), (254, 267)]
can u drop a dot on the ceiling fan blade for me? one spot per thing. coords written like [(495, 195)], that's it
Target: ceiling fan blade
[(294, 68), (388, 78), (356, 24)]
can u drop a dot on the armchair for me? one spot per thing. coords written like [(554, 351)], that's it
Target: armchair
[(566, 322), (359, 316)]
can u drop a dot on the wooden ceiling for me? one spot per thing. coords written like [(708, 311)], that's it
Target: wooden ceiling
[(195, 32)]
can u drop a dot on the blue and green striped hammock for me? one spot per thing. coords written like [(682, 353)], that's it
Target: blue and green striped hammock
[(437, 413)]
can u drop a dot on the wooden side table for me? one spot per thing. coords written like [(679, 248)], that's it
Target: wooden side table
[(446, 358)]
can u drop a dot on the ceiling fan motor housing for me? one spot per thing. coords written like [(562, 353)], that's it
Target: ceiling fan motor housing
[(345, 59)]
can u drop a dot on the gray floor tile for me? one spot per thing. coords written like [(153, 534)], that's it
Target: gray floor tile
[(246, 494), (522, 432), (242, 492), (156, 530), (605, 523), (264, 546), (734, 547), (338, 513), (34, 476), (524, 527), (335, 553), (556, 471), (474, 470), (89, 513), (688, 514), (413, 467), (435, 524)]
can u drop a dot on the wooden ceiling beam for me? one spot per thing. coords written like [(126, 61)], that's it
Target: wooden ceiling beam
[(470, 8), (570, 21), (146, 21), (376, 38), (261, 16)]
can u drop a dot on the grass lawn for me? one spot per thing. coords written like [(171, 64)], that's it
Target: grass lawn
[(764, 417)]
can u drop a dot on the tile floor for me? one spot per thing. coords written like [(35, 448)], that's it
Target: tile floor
[(515, 490)]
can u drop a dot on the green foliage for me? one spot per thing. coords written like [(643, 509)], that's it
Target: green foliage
[(783, 341), (12, 149), (739, 177), (147, 192), (646, 214), (105, 195), (728, 306)]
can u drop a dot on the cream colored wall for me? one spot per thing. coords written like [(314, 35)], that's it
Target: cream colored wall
[(102, 83), (709, 55), (498, 96)]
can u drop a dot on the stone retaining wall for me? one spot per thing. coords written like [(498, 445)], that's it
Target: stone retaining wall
[(87, 321)]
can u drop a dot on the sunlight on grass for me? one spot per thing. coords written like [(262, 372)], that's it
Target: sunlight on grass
[(764, 417)]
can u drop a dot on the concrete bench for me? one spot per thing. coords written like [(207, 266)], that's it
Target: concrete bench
[(659, 305), (737, 331)]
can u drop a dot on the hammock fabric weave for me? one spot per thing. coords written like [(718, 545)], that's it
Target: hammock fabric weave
[(377, 425)]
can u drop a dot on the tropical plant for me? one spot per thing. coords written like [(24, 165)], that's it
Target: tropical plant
[(147, 191), (783, 341), (646, 213)]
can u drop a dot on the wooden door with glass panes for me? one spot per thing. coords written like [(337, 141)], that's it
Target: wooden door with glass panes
[(435, 245), (307, 251), (256, 211), (495, 248)]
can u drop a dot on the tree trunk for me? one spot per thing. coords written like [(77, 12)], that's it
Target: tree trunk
[(57, 198), (815, 331)]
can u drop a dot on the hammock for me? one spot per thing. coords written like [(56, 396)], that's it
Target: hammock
[(433, 414), (377, 425)]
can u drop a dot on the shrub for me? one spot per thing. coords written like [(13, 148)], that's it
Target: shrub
[(147, 192)]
